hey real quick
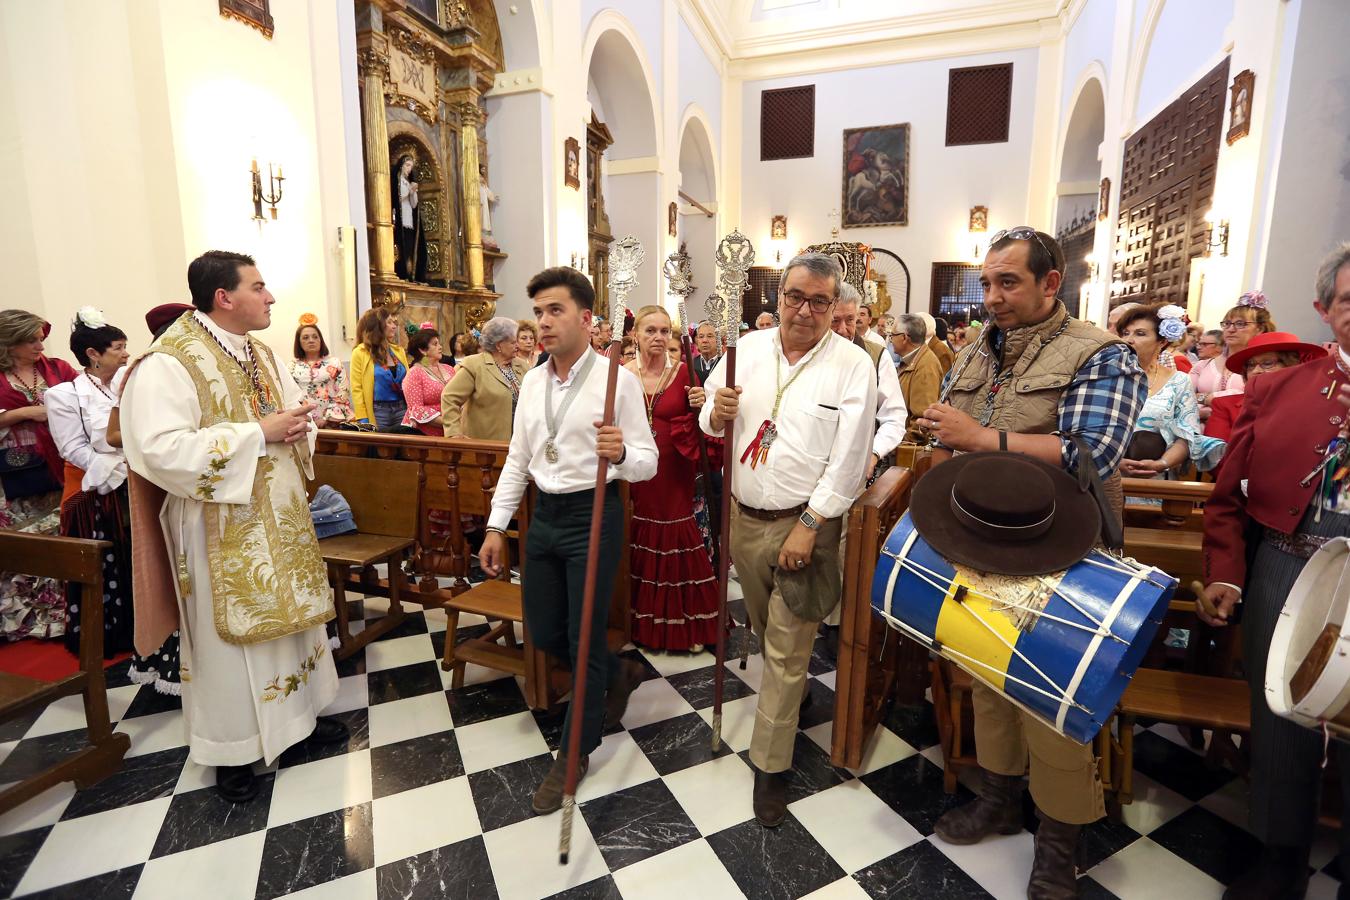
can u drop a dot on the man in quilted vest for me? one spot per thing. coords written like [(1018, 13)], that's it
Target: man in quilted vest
[(1035, 378)]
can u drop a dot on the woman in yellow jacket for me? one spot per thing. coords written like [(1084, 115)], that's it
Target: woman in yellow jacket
[(378, 367)]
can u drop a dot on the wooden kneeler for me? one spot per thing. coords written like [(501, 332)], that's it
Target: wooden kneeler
[(81, 561)]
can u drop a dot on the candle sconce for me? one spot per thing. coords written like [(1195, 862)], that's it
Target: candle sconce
[(272, 197)]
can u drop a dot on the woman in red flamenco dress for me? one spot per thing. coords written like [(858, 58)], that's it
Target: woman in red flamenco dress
[(674, 590)]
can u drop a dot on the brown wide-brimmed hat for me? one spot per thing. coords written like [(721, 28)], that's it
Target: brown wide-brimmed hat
[(1273, 342), (1005, 513), (1145, 446)]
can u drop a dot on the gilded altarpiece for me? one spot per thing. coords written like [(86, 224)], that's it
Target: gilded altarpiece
[(422, 77)]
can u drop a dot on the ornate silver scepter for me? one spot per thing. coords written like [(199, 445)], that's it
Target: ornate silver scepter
[(625, 257), (735, 256)]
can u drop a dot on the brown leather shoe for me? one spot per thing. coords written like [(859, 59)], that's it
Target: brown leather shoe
[(1281, 873), (998, 810), (1054, 874), (548, 796), (621, 688), (770, 799)]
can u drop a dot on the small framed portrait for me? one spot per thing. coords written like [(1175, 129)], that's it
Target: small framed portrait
[(1104, 199), (673, 219), (572, 163), (778, 230), (256, 13), (979, 219), (1240, 105)]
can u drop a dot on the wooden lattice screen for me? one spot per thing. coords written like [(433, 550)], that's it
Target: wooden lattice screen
[(787, 122), (1166, 186), (761, 293), (979, 104), (956, 291)]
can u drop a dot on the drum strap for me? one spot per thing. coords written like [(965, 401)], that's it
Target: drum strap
[(1113, 530)]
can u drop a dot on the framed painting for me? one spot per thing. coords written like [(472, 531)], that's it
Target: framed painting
[(1240, 106), (876, 176), (1103, 199), (572, 163), (673, 219), (251, 12)]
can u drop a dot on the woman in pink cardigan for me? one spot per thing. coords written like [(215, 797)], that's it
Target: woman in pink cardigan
[(426, 378)]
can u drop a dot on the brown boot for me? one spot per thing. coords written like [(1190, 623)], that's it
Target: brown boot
[(770, 798), (620, 689), (1281, 873), (548, 796), (998, 810), (1054, 875)]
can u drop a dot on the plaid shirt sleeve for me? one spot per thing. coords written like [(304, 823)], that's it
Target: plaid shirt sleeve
[(1102, 404)]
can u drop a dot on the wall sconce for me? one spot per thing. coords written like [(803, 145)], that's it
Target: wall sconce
[(978, 227), (1216, 235), (1091, 260), (274, 187)]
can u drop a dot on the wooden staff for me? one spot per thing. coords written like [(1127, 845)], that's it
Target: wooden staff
[(735, 256), (625, 259)]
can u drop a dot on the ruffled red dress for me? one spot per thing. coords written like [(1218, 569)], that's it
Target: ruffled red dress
[(674, 589)]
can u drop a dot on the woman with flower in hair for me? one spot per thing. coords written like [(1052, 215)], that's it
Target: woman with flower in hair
[(427, 378), (1170, 409), (1213, 378), (320, 375), (31, 469)]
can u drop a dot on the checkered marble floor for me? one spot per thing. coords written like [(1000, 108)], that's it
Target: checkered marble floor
[(430, 799)]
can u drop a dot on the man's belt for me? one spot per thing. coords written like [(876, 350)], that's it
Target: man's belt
[(1301, 545), (771, 515)]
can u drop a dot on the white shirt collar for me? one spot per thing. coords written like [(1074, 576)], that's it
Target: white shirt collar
[(1345, 357), (572, 372), (235, 343)]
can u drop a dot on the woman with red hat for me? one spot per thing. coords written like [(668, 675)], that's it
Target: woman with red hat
[(1267, 352), (31, 469)]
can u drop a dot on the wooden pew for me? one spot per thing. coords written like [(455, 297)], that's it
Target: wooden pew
[(78, 560)]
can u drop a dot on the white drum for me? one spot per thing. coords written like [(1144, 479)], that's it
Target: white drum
[(1308, 670)]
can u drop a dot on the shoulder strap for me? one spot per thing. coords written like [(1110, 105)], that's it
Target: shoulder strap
[(1113, 530)]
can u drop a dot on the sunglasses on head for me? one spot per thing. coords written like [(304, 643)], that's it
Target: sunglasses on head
[(1023, 233)]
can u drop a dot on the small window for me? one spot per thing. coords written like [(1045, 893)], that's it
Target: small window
[(787, 123)]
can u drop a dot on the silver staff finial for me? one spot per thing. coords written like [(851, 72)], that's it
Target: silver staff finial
[(624, 259), (735, 256)]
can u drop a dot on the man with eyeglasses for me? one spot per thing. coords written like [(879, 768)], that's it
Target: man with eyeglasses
[(918, 371), (802, 416), (1036, 379)]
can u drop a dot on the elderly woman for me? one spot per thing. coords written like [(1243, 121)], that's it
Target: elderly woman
[(674, 591), (480, 401), (1279, 497), (1240, 324), (31, 478), (1264, 353), (320, 375), (527, 342), (1170, 409), (427, 378), (378, 368)]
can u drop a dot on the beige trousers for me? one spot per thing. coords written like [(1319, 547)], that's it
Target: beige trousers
[(1064, 778), (785, 639)]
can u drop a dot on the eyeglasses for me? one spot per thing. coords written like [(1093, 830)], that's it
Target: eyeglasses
[(1208, 344), (1265, 365), (795, 299), (1023, 233), (1235, 324)]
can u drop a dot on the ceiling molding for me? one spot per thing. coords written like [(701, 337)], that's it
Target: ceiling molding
[(714, 25), (713, 48)]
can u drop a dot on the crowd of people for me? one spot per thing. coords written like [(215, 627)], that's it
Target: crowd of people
[(828, 391)]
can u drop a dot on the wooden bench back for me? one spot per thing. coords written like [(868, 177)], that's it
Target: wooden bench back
[(48, 556), (383, 493)]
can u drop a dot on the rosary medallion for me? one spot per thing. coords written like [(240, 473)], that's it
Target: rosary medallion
[(758, 450), (550, 451)]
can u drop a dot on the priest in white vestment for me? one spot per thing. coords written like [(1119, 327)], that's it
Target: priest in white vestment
[(211, 419)]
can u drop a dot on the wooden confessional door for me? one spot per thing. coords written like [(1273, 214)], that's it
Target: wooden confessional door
[(1166, 187)]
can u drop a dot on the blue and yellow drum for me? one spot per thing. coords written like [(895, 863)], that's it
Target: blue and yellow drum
[(1062, 646)]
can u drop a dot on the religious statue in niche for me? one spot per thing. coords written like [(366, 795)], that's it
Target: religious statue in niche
[(673, 219), (410, 244), (486, 198), (876, 180), (572, 163), (979, 219), (1240, 117)]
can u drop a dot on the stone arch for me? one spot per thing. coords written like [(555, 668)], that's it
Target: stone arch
[(1163, 22), (698, 177), (1077, 193)]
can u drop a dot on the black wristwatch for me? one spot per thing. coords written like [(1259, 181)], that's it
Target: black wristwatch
[(809, 520)]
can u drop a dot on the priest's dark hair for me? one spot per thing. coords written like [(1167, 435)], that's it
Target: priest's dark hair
[(212, 271), (83, 339), (578, 285)]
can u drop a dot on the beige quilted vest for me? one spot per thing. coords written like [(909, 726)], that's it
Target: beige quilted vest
[(1044, 358)]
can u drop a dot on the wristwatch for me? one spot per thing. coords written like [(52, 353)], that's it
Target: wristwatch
[(809, 520)]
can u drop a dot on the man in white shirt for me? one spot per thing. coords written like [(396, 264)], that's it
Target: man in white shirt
[(864, 325), (764, 321), (803, 427), (556, 440), (890, 409)]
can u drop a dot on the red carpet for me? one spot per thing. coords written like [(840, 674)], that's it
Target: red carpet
[(47, 660)]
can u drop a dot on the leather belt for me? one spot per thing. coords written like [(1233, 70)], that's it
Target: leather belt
[(1301, 545), (771, 515)]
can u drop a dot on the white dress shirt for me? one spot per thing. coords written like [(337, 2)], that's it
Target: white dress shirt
[(77, 414), (575, 469), (891, 409), (875, 338), (824, 423)]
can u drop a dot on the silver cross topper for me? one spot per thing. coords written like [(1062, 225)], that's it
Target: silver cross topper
[(735, 256), (625, 257)]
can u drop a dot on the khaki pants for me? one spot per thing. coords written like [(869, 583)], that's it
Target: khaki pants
[(786, 640), (1064, 780)]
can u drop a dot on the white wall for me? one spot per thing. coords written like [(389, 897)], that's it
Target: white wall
[(944, 182), (699, 81)]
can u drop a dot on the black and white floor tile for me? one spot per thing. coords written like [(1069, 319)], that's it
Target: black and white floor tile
[(430, 798)]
